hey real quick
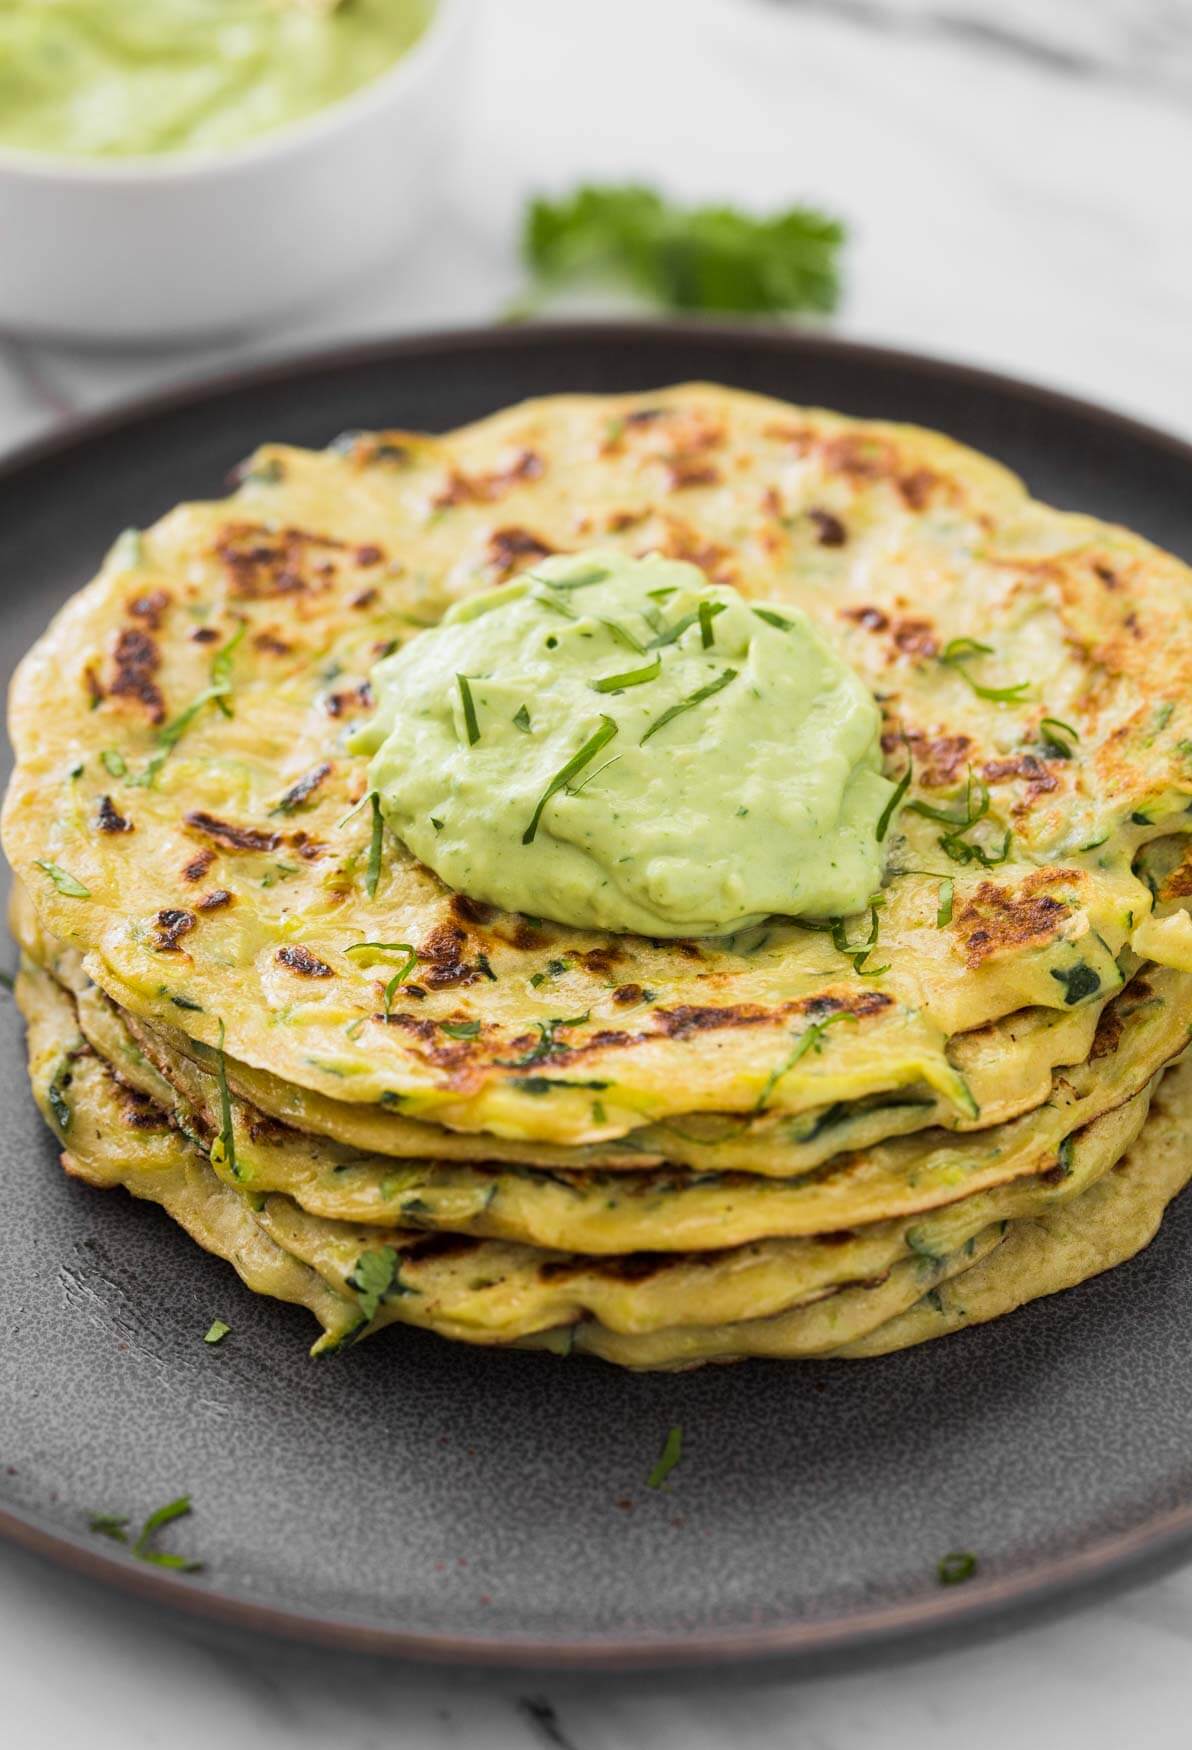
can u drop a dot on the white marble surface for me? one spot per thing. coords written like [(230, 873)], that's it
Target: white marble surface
[(1015, 175)]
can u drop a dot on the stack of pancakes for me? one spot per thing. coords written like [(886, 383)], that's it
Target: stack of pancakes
[(248, 1002)]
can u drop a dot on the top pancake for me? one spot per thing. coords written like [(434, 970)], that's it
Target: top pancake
[(223, 890)]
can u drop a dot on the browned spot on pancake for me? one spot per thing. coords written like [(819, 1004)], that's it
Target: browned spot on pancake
[(920, 487), (829, 530), (138, 1111), (365, 598), (351, 699), (526, 933), (915, 637), (107, 818), (605, 1036), (304, 788), (260, 562), (800, 438), (685, 471), (204, 635), (680, 541), (1107, 575), (265, 1129), (509, 550), (442, 953), (996, 919), (618, 521), (409, 1023), (150, 608), (938, 759), (438, 1245), (1178, 885), (231, 836), (1030, 769), (629, 1267), (858, 456), (93, 685), (686, 1019), (271, 644), (599, 961), (369, 554), (135, 660), (627, 995), (486, 488), (198, 866), (873, 619), (300, 959), (169, 926), (215, 900), (1107, 1038), (471, 911)]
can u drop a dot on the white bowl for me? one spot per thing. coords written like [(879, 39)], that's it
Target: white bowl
[(157, 248)]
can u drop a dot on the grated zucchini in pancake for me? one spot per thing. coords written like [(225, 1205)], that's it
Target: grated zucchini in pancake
[(666, 1208), (485, 1290), (207, 681)]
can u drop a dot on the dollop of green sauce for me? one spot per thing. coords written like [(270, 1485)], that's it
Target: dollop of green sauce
[(617, 744), (114, 78)]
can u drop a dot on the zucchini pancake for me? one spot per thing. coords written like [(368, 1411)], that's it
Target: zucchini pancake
[(674, 877)]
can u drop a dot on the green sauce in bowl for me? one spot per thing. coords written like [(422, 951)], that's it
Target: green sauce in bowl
[(126, 78)]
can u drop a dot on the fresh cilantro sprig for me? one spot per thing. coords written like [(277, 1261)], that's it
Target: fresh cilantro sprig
[(115, 1526), (709, 258)]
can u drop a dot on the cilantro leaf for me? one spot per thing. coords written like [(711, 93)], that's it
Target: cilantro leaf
[(672, 1452), (373, 1276), (685, 258)]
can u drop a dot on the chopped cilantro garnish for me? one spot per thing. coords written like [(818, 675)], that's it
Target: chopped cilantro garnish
[(115, 1526), (460, 1029), (697, 698), (888, 812), (632, 677), (373, 1277), (216, 1331), (143, 1547), (547, 1041), (956, 1567), (955, 844), (110, 1525), (564, 775), (521, 718), (471, 727), (404, 970), (221, 668), (373, 872), (701, 616), (965, 650), (63, 880), (672, 1452), (773, 619), (947, 890), (223, 1149), (113, 763), (811, 1039)]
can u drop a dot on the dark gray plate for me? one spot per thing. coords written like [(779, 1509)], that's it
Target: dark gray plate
[(428, 1500)]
